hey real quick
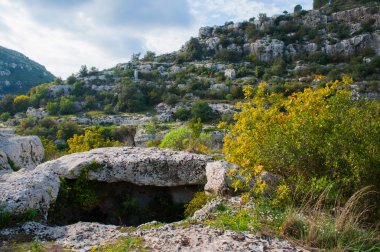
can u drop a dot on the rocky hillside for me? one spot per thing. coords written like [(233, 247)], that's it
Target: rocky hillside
[(18, 73), (207, 75)]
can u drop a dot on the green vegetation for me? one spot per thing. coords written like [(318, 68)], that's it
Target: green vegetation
[(124, 245), (175, 139), (189, 138), (199, 200), (312, 226), (25, 71), (91, 139), (67, 136), (7, 218), (324, 144), (321, 136), (79, 194)]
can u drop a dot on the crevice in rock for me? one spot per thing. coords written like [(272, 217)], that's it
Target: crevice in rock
[(118, 203)]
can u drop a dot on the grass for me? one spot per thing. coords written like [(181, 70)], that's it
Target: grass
[(123, 245), (199, 200), (150, 226), (314, 226)]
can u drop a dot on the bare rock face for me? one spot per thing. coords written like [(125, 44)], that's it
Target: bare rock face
[(205, 32), (38, 188), (217, 180), (357, 15), (20, 152), (349, 46), (265, 49)]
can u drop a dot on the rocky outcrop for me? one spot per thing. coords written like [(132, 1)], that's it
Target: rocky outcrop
[(266, 49), (39, 188), (349, 46), (357, 15), (84, 236), (20, 152)]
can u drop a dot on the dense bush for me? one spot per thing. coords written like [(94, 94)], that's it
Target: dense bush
[(313, 139), (91, 139), (175, 139), (202, 110), (189, 138)]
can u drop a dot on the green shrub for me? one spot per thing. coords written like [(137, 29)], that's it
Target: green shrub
[(175, 139), (5, 116), (202, 110), (7, 218), (182, 114)]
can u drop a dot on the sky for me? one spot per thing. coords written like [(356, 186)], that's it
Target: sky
[(62, 35)]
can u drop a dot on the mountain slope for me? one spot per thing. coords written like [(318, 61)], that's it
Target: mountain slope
[(18, 73)]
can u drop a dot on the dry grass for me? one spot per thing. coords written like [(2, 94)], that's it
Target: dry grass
[(340, 229)]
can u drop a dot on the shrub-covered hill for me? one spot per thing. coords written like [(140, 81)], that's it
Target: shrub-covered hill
[(18, 73)]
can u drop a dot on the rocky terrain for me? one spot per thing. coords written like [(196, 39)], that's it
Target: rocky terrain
[(92, 200), (18, 73), (19, 152), (171, 237), (39, 189)]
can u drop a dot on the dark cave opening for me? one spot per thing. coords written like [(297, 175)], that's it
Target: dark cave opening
[(120, 203)]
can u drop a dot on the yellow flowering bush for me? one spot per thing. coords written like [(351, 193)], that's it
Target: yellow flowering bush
[(323, 135), (91, 139)]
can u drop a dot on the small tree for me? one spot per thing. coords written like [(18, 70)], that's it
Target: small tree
[(83, 72), (149, 56), (262, 17), (297, 9)]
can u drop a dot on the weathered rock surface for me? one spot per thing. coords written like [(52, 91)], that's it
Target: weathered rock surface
[(140, 166), (171, 237), (17, 152), (81, 236), (217, 180), (37, 189), (266, 49), (23, 190), (204, 238)]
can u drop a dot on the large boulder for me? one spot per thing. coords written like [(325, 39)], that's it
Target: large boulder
[(20, 152), (218, 181), (39, 188), (140, 166)]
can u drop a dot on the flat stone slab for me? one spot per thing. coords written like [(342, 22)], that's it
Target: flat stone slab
[(38, 189)]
